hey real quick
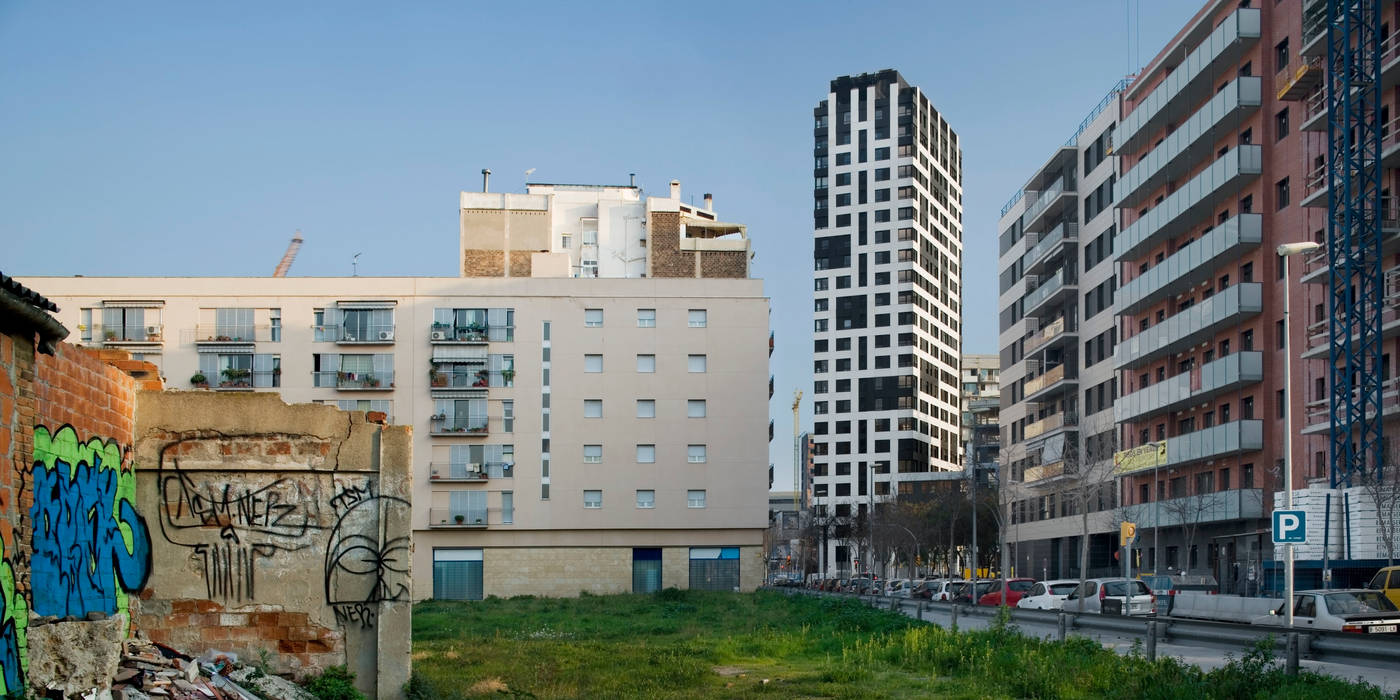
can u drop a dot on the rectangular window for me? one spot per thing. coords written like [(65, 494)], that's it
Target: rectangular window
[(592, 454), (646, 318), (1281, 196), (695, 363), (592, 408), (457, 574), (592, 363), (646, 454), (695, 454), (695, 408), (646, 408), (507, 507), (697, 318), (695, 498), (646, 498), (593, 318), (508, 415), (592, 499), (1281, 124), (646, 364)]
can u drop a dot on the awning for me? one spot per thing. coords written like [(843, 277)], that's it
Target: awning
[(458, 393), (225, 348), (132, 304), (459, 353), (382, 304)]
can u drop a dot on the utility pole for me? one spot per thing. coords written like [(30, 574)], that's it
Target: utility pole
[(797, 463)]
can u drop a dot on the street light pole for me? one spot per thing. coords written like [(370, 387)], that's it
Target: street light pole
[(1286, 251), (972, 463)]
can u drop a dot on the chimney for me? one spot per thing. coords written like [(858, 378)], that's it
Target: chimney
[(485, 179), (675, 189), (709, 201), (633, 177)]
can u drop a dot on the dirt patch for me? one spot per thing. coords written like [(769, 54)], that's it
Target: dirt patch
[(729, 671), (489, 685)]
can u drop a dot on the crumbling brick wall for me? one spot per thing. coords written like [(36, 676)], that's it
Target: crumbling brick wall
[(668, 260)]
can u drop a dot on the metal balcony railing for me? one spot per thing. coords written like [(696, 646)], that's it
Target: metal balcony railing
[(371, 334), (368, 381), (231, 333), (470, 471), (459, 425), (127, 334), (472, 518)]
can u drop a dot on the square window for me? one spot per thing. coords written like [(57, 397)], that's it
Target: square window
[(646, 408), (593, 318), (646, 318), (592, 499), (592, 454), (695, 454), (646, 454), (646, 364), (697, 318), (646, 498), (695, 408), (695, 498), (592, 408), (695, 364), (593, 363)]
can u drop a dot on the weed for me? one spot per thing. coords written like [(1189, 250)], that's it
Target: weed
[(335, 683)]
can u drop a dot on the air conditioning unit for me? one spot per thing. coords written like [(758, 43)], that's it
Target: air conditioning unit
[(439, 335), (152, 330), (386, 335)]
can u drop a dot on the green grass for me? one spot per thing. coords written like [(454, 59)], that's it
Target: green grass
[(692, 644)]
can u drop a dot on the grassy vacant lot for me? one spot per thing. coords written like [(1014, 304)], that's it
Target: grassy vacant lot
[(687, 644)]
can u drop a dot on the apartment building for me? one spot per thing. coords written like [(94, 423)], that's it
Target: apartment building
[(587, 398), (1057, 384), (981, 407), (887, 304)]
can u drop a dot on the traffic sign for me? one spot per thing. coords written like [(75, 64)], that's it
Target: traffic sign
[(1127, 534), (1290, 527)]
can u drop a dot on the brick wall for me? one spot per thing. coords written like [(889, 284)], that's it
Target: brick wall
[(17, 406), (520, 262), (482, 263), (668, 260)]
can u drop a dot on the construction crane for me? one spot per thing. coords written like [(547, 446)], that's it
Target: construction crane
[(796, 450), (289, 256)]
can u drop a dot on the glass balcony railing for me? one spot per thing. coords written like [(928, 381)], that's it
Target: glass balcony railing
[(1192, 264), (1191, 80), (1196, 386), (1216, 506), (1064, 419), (1047, 289), (1191, 142), (1064, 231), (1043, 472), (1189, 204), (1189, 327), (1045, 381), (1061, 328), (1208, 443), (1044, 198)]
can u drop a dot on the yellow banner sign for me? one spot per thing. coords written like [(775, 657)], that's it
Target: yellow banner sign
[(1152, 454)]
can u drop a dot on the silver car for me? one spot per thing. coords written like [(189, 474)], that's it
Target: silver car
[(1110, 596), (1047, 595), (1355, 610)]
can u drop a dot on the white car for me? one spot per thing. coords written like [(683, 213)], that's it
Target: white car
[(897, 587), (1111, 596), (947, 590), (1047, 595), (1347, 610)]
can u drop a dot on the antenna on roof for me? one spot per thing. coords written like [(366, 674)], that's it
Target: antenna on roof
[(355, 265)]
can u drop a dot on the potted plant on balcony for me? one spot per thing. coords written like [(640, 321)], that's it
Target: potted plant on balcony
[(109, 335), (370, 381), (478, 521), (459, 518), (235, 377), (199, 381), (508, 376)]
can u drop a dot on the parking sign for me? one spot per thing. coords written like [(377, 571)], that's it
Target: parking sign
[(1290, 527)]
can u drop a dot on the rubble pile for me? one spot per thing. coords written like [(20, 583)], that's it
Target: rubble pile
[(150, 670)]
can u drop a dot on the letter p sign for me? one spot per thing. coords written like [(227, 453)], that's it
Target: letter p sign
[(1290, 527)]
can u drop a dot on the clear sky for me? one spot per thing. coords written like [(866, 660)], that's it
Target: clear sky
[(178, 138)]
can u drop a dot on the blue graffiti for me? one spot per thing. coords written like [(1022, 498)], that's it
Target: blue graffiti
[(91, 548)]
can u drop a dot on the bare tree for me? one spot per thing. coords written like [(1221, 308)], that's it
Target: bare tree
[(1189, 511), (1382, 485), (1092, 478)]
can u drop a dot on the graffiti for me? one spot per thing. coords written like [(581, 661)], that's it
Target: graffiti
[(232, 524), (90, 547), (364, 564), (14, 624)]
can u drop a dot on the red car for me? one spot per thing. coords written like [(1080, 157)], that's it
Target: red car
[(1017, 587)]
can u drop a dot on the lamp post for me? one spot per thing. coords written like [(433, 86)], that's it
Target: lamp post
[(1286, 251)]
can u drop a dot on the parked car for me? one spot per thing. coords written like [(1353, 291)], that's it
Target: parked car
[(1164, 587), (1357, 610), (896, 588), (1047, 595), (926, 588), (865, 586), (970, 593), (1016, 587), (1387, 581), (1111, 596)]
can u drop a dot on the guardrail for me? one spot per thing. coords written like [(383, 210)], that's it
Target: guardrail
[(1312, 644)]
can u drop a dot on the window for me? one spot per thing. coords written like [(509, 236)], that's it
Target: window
[(457, 574), (695, 408), (695, 498), (646, 454), (843, 158), (821, 284), (882, 174), (695, 454), (882, 153), (695, 363), (1281, 333), (508, 416), (646, 408), (646, 498), (697, 318), (646, 364), (275, 318), (646, 318), (1281, 124), (1281, 193), (592, 408), (592, 499), (1281, 55), (592, 454), (507, 507), (593, 318), (593, 363)]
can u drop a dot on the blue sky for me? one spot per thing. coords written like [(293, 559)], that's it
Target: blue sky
[(193, 138)]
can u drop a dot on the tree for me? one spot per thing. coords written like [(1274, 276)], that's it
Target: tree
[(1091, 484), (822, 527), (1189, 511), (1382, 486)]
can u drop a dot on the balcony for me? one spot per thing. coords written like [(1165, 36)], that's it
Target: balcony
[(1319, 338), (1056, 287), (1314, 28), (1191, 81), (1050, 336), (137, 337), (1295, 81), (448, 333), (450, 472), (1043, 385), (216, 334), (1218, 506), (355, 381), (1201, 322), (1050, 423), (1191, 143), (470, 519), (1193, 202), (1319, 180), (1052, 242), (458, 426), (1191, 265), (1043, 472), (1318, 414), (1048, 201), (1198, 386), (458, 379), (1208, 443), (369, 334)]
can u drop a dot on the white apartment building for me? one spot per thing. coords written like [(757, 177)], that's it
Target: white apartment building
[(887, 299), (600, 435)]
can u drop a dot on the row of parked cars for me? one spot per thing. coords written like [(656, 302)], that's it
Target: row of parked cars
[(1109, 595)]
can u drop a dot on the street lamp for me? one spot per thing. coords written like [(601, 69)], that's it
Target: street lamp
[(1286, 251)]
